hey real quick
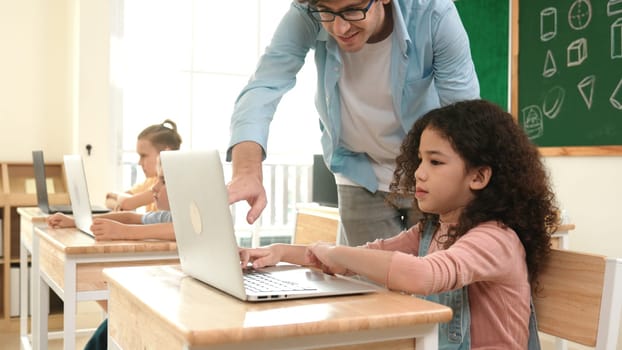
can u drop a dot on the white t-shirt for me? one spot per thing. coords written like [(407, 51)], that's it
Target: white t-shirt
[(368, 121)]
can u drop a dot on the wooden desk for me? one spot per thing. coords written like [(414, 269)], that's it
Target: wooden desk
[(561, 238), (71, 263), (30, 217), (159, 307)]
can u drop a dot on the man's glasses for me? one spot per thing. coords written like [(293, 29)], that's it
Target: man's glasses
[(349, 15)]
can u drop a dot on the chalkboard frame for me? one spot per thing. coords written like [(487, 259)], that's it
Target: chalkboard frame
[(601, 150)]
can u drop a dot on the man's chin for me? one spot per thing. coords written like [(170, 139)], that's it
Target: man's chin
[(350, 47)]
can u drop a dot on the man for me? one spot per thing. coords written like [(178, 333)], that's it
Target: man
[(381, 65)]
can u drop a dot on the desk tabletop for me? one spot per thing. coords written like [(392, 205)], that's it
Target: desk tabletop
[(201, 315), (33, 214), (73, 241), (564, 228)]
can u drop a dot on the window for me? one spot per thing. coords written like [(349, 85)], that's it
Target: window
[(187, 60)]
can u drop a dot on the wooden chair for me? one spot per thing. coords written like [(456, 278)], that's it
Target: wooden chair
[(579, 299), (316, 224)]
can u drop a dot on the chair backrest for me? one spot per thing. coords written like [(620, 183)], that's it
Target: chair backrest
[(579, 298), (314, 226)]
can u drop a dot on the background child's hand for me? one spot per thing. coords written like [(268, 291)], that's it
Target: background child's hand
[(111, 200), (60, 220), (107, 230), (115, 200), (319, 254)]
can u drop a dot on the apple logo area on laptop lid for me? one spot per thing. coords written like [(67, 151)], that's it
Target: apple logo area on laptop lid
[(206, 242), (78, 193)]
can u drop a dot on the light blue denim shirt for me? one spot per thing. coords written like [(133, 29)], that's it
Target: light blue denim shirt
[(431, 66), (157, 217)]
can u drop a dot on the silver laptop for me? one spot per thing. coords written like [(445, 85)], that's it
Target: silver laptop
[(206, 241), (78, 193), (38, 164)]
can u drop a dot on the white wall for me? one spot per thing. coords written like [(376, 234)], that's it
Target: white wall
[(33, 79), (590, 189), (91, 102), (55, 95), (54, 84)]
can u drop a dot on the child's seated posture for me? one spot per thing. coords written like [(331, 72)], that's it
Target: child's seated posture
[(151, 141), (489, 213), (129, 225)]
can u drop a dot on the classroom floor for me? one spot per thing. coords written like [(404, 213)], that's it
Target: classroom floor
[(89, 316)]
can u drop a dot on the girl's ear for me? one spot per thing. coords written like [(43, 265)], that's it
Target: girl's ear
[(481, 177)]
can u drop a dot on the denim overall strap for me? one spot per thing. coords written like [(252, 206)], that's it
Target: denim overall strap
[(454, 335), (533, 342)]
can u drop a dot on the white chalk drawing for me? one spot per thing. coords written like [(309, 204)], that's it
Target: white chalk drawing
[(553, 102), (616, 39), (616, 96), (533, 123), (548, 23), (580, 14), (586, 89), (577, 52), (579, 18), (614, 7), (550, 67)]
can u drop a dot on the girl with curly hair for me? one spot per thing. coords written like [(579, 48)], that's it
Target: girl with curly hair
[(489, 212)]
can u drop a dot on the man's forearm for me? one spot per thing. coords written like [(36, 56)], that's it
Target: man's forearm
[(246, 158)]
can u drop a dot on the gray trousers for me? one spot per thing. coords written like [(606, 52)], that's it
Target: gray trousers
[(365, 216)]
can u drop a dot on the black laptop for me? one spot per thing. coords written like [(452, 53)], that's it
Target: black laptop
[(42, 190)]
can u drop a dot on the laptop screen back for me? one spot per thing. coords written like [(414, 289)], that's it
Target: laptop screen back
[(78, 192), (42, 192), (202, 218)]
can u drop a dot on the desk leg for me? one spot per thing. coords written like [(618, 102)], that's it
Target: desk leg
[(69, 306), (24, 297), (429, 341), (41, 302), (562, 344)]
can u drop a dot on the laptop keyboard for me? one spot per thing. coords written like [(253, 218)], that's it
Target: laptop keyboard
[(258, 281)]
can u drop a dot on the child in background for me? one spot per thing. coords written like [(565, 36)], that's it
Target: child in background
[(151, 141), (489, 213), (130, 225)]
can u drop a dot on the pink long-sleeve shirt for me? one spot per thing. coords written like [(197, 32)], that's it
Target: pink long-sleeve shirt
[(490, 260)]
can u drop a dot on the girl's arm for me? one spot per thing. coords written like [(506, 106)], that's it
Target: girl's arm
[(131, 202), (163, 231), (371, 263), (122, 217), (106, 230)]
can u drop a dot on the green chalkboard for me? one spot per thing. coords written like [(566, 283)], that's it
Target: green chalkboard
[(487, 24), (570, 72)]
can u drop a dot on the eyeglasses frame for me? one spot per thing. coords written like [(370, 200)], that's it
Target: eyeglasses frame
[(340, 13)]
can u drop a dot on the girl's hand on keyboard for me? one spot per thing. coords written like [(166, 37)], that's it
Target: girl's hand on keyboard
[(258, 257)]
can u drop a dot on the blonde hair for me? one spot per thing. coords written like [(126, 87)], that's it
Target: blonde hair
[(162, 136)]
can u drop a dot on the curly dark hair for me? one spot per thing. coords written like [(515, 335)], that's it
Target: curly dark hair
[(518, 194)]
